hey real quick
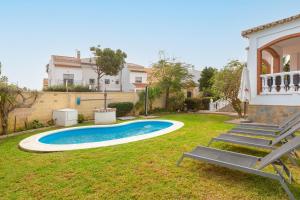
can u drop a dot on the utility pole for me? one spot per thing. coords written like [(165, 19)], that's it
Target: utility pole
[(105, 97), (146, 100)]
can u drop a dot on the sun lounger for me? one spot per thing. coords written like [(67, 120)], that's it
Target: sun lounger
[(256, 142), (265, 133), (249, 164), (274, 128)]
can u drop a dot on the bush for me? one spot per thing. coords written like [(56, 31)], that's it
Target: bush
[(194, 104), (51, 122), (205, 103), (123, 108), (71, 88), (158, 110), (176, 102), (34, 125), (80, 118)]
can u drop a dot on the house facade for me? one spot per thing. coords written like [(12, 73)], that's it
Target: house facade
[(64, 70), (273, 60), (194, 90)]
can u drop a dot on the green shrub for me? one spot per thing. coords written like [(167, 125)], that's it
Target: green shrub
[(194, 104), (34, 125), (123, 108), (80, 118), (205, 103), (71, 88), (51, 122), (176, 102)]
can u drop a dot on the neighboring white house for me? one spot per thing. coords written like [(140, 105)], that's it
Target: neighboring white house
[(274, 66), (194, 91), (64, 70)]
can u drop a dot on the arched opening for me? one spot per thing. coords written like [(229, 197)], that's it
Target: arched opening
[(279, 63)]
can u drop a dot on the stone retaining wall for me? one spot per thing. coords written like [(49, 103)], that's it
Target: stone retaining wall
[(270, 114)]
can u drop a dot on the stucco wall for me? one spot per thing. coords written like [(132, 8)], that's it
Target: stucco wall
[(47, 102), (58, 72), (257, 40), (133, 75), (270, 114)]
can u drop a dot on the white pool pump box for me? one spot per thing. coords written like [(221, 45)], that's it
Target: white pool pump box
[(65, 117)]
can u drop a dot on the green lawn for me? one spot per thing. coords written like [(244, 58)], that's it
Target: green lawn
[(138, 170)]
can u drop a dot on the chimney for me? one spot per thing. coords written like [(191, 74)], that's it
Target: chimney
[(78, 54)]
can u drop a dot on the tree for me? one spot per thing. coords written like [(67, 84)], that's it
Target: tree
[(206, 78), (171, 77), (12, 97), (227, 83), (206, 82), (108, 62), (153, 93)]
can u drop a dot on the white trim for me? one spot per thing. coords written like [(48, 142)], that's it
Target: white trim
[(32, 143)]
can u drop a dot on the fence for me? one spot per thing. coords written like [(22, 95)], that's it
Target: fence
[(47, 102)]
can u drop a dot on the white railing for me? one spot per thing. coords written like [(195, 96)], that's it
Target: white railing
[(281, 83), (217, 105)]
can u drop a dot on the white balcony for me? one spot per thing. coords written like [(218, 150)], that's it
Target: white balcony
[(280, 83)]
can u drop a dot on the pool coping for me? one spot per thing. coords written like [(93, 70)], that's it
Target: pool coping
[(33, 144)]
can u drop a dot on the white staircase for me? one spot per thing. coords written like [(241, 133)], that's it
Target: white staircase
[(218, 105)]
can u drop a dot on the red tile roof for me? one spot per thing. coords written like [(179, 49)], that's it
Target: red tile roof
[(65, 61), (140, 85), (245, 33)]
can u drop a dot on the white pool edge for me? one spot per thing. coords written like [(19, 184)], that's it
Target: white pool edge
[(32, 143)]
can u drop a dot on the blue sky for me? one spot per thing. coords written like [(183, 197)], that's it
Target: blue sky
[(202, 33)]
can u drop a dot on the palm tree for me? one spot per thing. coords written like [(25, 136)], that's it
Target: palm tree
[(153, 93)]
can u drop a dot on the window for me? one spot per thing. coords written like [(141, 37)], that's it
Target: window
[(189, 94), (68, 78), (138, 79), (117, 82), (107, 81), (92, 81)]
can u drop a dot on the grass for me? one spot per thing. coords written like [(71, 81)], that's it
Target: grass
[(139, 170)]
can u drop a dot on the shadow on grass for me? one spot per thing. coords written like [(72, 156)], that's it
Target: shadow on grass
[(229, 177)]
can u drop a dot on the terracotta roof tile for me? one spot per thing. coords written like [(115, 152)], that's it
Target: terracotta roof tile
[(140, 85), (137, 68), (65, 61), (245, 33)]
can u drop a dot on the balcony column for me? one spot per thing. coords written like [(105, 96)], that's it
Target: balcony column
[(264, 84), (273, 87), (282, 85), (292, 86)]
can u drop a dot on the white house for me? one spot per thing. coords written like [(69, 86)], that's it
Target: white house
[(193, 91), (64, 70), (273, 60)]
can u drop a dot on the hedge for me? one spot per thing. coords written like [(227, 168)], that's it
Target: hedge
[(123, 108), (71, 88), (196, 104), (193, 104)]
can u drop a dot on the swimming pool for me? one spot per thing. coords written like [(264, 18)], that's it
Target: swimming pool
[(98, 135)]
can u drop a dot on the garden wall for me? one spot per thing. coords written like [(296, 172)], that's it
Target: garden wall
[(271, 114), (47, 102)]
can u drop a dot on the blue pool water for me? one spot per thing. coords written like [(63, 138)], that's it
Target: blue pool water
[(98, 134)]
